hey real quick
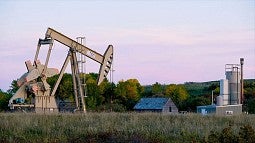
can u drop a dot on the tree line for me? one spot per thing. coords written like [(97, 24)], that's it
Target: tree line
[(123, 95)]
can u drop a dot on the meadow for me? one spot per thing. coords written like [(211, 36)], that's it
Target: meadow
[(124, 127)]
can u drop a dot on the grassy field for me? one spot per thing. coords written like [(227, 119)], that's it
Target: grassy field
[(117, 127)]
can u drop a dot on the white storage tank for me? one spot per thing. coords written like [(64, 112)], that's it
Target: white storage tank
[(225, 99), (219, 101), (224, 91), (233, 76), (224, 87)]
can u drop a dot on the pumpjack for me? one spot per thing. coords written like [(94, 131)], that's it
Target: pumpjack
[(33, 84)]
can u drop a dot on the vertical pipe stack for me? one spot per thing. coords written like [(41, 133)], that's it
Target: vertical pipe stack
[(241, 63)]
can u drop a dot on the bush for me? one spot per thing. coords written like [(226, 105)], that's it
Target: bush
[(246, 135)]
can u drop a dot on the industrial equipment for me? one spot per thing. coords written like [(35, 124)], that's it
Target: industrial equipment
[(230, 100), (230, 88), (35, 93)]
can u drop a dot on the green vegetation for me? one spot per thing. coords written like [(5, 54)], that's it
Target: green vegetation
[(99, 126), (125, 127), (128, 93), (123, 95), (200, 94), (178, 94), (4, 100)]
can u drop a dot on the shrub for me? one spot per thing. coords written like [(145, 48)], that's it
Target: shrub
[(246, 135)]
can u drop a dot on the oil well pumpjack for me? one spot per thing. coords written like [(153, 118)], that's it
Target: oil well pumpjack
[(33, 84)]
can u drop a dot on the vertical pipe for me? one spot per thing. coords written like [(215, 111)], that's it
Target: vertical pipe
[(237, 84), (212, 97), (242, 62)]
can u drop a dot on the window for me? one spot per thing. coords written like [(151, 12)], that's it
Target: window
[(229, 112), (170, 109)]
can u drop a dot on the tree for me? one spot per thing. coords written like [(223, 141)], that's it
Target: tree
[(147, 92), (177, 93), (98, 95), (134, 83), (251, 106), (107, 91), (13, 88), (128, 92), (94, 97), (193, 101), (6, 96), (65, 88), (157, 89), (249, 96), (4, 100)]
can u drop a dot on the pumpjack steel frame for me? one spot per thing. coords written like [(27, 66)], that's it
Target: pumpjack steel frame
[(34, 81)]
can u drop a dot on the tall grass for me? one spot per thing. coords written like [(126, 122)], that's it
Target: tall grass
[(114, 127)]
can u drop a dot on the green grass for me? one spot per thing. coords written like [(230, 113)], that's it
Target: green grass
[(115, 127)]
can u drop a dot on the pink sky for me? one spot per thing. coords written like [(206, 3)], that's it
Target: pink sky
[(155, 41)]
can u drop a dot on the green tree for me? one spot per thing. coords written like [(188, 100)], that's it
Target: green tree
[(128, 93), (65, 88), (147, 91), (177, 93), (249, 92), (94, 97), (193, 101), (137, 86), (251, 106), (6, 96), (4, 100), (107, 91), (13, 88), (157, 89), (120, 91)]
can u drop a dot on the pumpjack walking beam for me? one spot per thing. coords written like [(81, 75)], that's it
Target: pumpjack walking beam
[(105, 60)]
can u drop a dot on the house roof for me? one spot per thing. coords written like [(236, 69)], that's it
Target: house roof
[(151, 103)]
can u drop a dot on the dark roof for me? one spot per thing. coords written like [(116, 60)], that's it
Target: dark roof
[(151, 103)]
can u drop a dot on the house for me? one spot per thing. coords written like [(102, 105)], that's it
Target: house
[(164, 105)]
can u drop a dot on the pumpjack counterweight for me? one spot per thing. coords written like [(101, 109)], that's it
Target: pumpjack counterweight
[(33, 84)]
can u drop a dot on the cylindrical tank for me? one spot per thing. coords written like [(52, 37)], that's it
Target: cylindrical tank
[(224, 87), (225, 99), (233, 78), (224, 91), (219, 101)]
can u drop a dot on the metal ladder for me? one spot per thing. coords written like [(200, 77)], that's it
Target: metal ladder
[(81, 61)]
